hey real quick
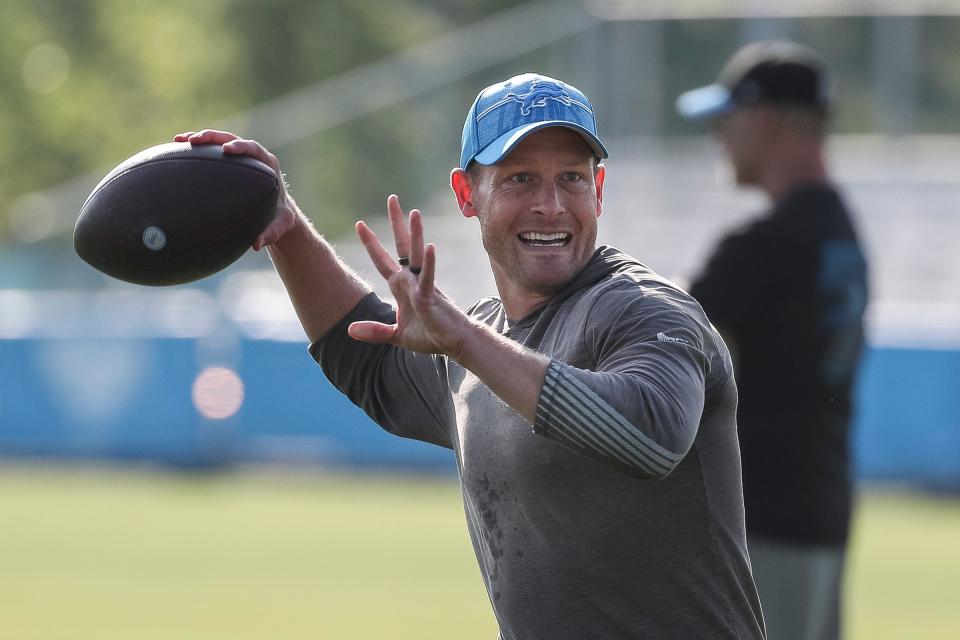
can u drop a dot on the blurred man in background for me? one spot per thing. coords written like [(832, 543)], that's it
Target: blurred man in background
[(788, 291), (591, 407)]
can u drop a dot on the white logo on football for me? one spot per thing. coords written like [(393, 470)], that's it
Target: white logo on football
[(154, 238)]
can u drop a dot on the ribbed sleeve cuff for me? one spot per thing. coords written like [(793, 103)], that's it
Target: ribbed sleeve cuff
[(571, 413)]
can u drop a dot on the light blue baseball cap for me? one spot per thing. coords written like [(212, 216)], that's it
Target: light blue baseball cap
[(507, 112)]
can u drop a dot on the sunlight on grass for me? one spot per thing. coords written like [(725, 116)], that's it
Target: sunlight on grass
[(113, 554)]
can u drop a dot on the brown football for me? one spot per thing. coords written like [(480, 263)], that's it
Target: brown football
[(175, 213)]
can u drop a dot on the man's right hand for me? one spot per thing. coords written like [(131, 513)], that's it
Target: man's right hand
[(321, 287), (286, 216)]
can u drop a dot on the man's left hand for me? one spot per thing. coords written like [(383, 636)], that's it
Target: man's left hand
[(427, 321)]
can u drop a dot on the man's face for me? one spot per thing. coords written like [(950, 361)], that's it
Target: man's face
[(538, 211), (741, 133)]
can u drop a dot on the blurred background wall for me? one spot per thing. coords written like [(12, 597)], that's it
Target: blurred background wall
[(363, 99)]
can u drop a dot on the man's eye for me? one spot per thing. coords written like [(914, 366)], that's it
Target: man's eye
[(521, 177), (572, 176)]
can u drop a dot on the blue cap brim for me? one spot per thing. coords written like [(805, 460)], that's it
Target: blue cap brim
[(500, 147), (705, 102)]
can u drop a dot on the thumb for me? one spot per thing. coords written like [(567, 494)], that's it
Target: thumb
[(274, 231), (370, 331)]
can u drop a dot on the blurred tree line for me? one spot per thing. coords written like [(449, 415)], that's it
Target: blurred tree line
[(87, 83)]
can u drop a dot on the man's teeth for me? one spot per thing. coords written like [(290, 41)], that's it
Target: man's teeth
[(544, 238)]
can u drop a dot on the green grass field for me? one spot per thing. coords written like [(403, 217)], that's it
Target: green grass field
[(113, 554)]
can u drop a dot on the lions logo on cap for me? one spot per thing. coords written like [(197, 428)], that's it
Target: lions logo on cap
[(540, 92)]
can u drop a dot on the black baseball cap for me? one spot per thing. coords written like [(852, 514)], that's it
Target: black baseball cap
[(778, 72)]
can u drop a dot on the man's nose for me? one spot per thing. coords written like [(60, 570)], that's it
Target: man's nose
[(549, 200)]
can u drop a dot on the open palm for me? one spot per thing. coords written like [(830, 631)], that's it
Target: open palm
[(427, 321)]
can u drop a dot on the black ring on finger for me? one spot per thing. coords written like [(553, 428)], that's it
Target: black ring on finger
[(415, 270), (404, 261)]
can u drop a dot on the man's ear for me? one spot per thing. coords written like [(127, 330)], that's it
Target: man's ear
[(462, 187), (598, 177)]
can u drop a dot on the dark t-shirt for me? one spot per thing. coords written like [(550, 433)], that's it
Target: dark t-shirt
[(618, 514), (789, 291)]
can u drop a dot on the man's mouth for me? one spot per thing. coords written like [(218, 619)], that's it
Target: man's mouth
[(536, 239)]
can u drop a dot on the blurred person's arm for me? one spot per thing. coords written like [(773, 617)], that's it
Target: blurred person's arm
[(737, 282), (731, 343)]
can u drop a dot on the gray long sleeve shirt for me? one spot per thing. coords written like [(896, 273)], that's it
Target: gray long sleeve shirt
[(619, 513)]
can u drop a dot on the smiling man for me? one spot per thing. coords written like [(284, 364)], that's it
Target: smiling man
[(590, 406)]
